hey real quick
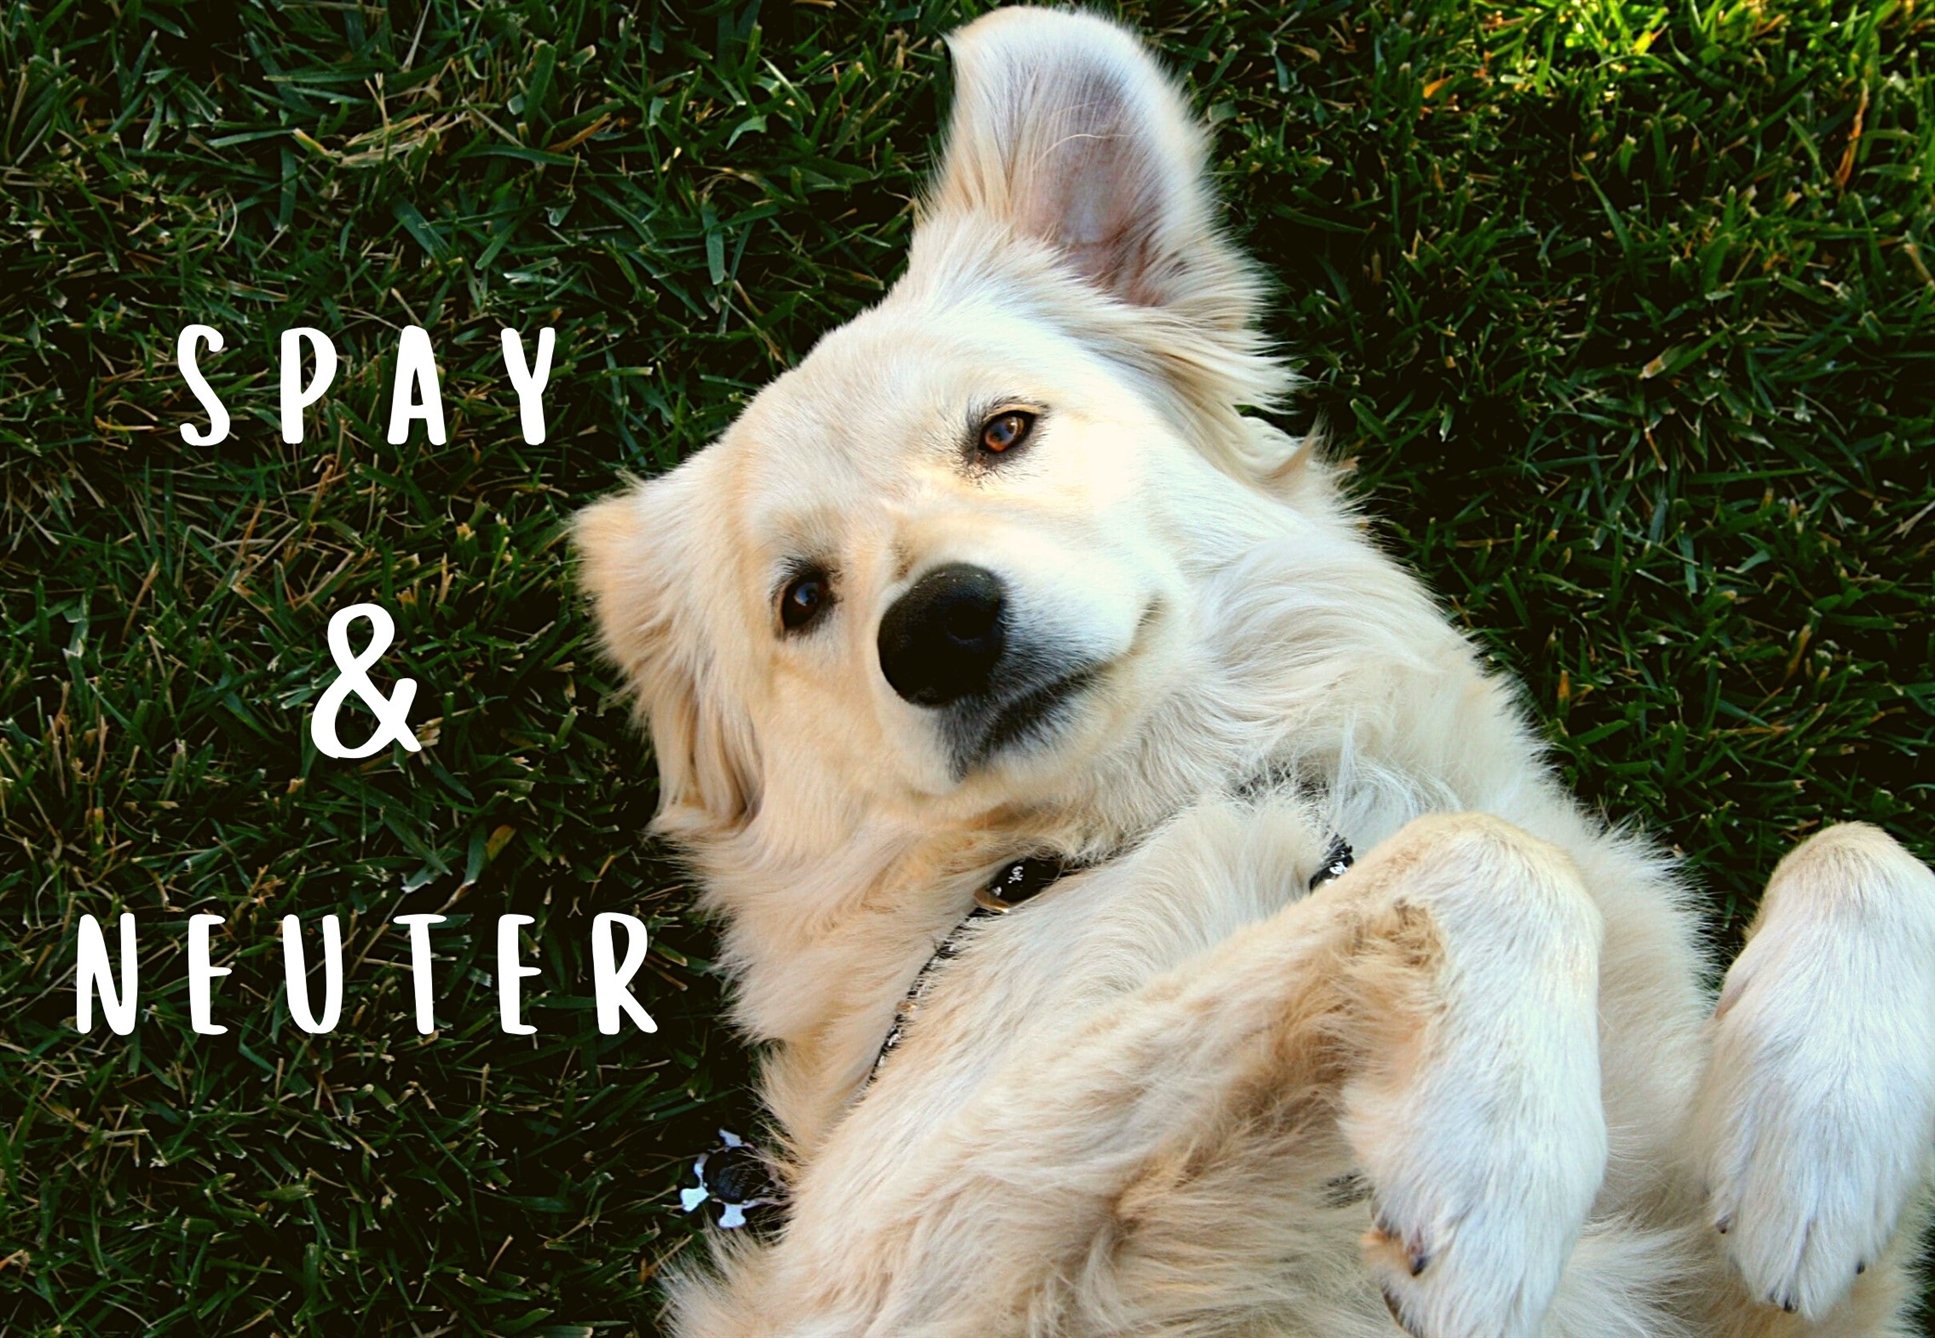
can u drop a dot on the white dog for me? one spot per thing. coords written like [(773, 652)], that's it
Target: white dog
[(999, 585)]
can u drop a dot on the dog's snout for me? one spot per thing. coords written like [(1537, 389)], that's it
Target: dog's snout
[(942, 639)]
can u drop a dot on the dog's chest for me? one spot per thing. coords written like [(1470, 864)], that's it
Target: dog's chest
[(1029, 979)]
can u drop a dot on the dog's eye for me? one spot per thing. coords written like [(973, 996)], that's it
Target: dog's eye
[(804, 599), (1006, 430)]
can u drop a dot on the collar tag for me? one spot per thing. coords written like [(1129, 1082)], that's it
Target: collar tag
[(1019, 880), (1337, 858)]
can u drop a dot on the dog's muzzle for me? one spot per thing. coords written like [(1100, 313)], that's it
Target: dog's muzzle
[(949, 644)]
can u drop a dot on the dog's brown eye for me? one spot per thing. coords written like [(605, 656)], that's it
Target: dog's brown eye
[(805, 598), (1006, 430)]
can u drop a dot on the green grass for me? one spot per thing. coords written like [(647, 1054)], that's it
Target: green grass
[(1623, 312)]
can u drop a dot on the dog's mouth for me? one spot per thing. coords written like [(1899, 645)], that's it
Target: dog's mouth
[(1033, 712), (993, 724)]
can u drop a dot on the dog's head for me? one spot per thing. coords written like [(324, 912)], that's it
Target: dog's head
[(950, 562)]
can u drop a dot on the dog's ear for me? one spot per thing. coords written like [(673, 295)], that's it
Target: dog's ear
[(636, 560), (1065, 128)]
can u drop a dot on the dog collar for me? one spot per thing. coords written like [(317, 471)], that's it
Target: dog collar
[(1018, 882), (737, 1178), (1337, 858)]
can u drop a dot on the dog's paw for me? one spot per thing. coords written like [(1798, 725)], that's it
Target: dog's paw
[(1819, 1132), (1483, 1165), (1477, 1118), (1818, 1111), (1474, 1247)]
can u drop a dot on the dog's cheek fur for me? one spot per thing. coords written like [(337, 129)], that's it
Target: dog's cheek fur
[(635, 562)]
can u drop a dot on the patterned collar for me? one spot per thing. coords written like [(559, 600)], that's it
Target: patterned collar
[(1021, 881), (736, 1177)]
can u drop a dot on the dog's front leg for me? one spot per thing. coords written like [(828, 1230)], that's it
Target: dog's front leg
[(1818, 1112), (1474, 1104), (1427, 1019)]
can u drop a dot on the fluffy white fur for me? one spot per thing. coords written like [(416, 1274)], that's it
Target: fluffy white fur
[(1474, 1085)]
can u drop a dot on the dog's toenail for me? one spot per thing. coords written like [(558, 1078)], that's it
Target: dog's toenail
[(1788, 1306), (1723, 1225), (1418, 1261), (1859, 1269)]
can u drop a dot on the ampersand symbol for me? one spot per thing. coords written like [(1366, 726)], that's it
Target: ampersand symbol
[(391, 711)]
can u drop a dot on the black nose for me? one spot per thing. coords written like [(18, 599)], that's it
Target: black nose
[(941, 640)]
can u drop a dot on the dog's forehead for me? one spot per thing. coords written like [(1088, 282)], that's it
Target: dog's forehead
[(876, 399)]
